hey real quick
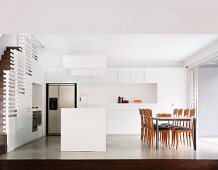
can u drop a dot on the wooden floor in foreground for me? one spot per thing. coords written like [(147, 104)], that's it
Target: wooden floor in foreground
[(124, 164)]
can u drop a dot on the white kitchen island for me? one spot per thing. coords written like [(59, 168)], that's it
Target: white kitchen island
[(83, 129)]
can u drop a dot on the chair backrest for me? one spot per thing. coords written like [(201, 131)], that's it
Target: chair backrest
[(150, 124), (141, 116), (149, 112), (144, 112), (192, 113), (175, 112), (179, 123), (186, 115), (149, 120), (180, 112), (140, 112)]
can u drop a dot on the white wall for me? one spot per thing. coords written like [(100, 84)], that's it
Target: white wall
[(207, 102), (172, 87)]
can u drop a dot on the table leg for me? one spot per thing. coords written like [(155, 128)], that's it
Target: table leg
[(194, 134), (157, 136)]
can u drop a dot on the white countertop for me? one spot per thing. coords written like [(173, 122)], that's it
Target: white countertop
[(115, 104)]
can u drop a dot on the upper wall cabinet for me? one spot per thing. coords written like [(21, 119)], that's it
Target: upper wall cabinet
[(54, 75), (109, 77), (151, 75), (124, 75), (82, 79), (137, 75), (67, 77)]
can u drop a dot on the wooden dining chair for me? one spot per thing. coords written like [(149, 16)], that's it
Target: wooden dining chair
[(142, 123), (145, 125), (179, 115), (181, 124), (186, 124), (175, 114), (164, 132), (188, 130), (150, 132), (177, 124)]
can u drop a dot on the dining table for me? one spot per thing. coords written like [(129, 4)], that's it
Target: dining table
[(169, 119)]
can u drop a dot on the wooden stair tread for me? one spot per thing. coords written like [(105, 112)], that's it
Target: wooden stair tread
[(7, 57), (12, 48)]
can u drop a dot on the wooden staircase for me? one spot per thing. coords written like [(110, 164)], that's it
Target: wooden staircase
[(6, 63)]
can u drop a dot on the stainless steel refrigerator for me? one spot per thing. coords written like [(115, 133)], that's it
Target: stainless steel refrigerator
[(58, 96)]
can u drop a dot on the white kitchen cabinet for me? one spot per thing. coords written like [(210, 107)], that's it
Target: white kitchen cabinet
[(26, 99), (113, 122), (124, 75), (109, 77), (67, 77), (54, 75), (58, 75), (87, 71), (83, 79), (119, 107), (137, 75), (120, 122), (151, 75)]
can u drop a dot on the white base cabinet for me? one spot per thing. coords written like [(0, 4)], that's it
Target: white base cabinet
[(123, 122)]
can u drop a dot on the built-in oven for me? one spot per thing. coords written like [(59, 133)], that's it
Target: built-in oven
[(39, 118), (35, 121)]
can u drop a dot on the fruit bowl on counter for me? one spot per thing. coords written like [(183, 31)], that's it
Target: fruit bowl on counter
[(163, 115)]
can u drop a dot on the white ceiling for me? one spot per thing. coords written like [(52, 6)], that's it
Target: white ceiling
[(146, 47), (109, 16)]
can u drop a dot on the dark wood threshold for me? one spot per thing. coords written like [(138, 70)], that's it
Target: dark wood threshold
[(151, 164)]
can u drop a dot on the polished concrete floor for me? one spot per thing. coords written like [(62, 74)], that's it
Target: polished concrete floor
[(118, 147)]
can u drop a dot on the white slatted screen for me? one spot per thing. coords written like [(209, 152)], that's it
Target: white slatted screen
[(19, 71), (15, 78), (29, 45), (15, 72), (192, 87)]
